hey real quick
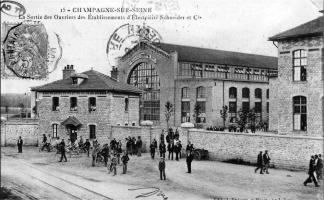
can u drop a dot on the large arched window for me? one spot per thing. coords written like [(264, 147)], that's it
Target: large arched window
[(300, 113), (258, 93), (185, 92), (245, 93), (232, 93), (299, 64), (201, 92), (145, 77)]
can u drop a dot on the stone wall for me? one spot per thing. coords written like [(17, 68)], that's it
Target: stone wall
[(10, 131), (290, 152)]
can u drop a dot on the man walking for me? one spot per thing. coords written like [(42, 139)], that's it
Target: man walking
[(311, 172), (266, 160), (162, 149), (152, 150), (114, 164), (259, 163), (62, 149), (139, 146), (19, 144), (170, 149), (125, 160), (87, 146), (189, 160), (162, 168)]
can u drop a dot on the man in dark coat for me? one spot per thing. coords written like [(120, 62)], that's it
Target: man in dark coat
[(86, 146), (311, 172), (125, 160), (19, 144), (189, 160), (152, 150), (162, 168), (62, 150), (139, 146), (266, 161), (170, 149), (105, 153), (319, 167), (44, 142), (162, 149), (259, 163)]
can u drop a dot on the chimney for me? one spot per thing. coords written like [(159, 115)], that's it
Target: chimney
[(114, 73), (68, 71)]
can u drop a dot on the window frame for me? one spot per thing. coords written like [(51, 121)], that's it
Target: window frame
[(92, 107), (200, 92), (126, 108), (75, 108), (185, 90), (54, 130), (246, 93), (92, 133), (55, 108), (302, 55), (230, 91), (302, 107), (258, 93)]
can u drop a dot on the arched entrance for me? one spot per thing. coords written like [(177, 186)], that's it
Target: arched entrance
[(145, 77)]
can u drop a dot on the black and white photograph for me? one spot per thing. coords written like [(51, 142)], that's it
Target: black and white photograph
[(162, 99)]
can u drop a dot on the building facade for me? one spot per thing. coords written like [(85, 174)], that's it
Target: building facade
[(297, 107), (190, 76), (84, 104)]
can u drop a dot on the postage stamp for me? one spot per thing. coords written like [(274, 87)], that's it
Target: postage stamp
[(25, 51), (126, 37), (12, 8)]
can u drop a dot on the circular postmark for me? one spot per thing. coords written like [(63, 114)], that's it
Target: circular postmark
[(126, 37), (25, 50), (12, 8)]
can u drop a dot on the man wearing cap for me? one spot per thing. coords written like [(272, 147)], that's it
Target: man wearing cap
[(162, 168)]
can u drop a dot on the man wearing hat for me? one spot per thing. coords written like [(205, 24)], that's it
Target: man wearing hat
[(162, 168)]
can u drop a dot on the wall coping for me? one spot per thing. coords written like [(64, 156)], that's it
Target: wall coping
[(258, 134), (19, 123)]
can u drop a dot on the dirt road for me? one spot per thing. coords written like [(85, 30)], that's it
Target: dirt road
[(34, 175)]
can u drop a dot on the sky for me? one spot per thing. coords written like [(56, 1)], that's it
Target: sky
[(233, 25)]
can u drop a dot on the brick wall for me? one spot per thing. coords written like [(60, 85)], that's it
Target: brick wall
[(283, 88), (10, 131)]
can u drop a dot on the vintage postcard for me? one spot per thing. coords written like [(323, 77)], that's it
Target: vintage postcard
[(162, 99)]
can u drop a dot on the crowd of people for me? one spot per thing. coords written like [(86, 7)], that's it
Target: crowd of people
[(113, 154)]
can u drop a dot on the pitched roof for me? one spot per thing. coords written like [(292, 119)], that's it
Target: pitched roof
[(95, 81), (311, 28), (213, 56)]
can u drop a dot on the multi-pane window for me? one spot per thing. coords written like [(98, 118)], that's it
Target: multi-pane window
[(126, 104), (232, 107), (246, 105), (92, 130), (201, 92), (300, 113), (54, 127), (197, 70), (258, 107), (245, 93), (92, 104), (73, 104), (185, 70), (185, 111), (185, 92), (232, 93), (201, 118), (145, 77), (258, 93), (299, 64), (55, 103)]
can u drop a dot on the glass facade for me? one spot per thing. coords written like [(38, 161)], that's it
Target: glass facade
[(145, 77)]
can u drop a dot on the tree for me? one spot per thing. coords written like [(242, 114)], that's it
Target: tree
[(243, 119), (197, 112), (223, 114), (168, 112)]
